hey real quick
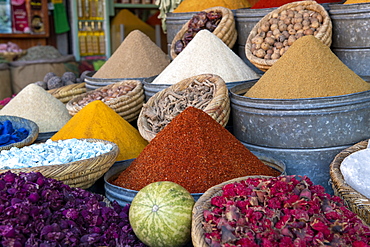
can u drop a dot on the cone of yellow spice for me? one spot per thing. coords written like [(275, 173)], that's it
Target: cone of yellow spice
[(309, 69), (97, 120)]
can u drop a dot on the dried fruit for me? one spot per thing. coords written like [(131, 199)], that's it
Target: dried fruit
[(199, 21)]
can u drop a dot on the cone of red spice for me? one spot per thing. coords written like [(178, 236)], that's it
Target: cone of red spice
[(194, 151)]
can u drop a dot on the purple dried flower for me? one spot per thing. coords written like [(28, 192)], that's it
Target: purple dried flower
[(38, 211)]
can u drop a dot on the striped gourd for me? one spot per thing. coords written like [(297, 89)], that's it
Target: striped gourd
[(160, 214)]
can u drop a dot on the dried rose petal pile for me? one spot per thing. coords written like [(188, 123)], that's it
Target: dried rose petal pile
[(281, 211)]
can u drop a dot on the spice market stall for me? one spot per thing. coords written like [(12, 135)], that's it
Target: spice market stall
[(244, 177)]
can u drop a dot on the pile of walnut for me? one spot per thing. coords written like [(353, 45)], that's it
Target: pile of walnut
[(199, 21), (105, 94), (276, 35), (198, 94)]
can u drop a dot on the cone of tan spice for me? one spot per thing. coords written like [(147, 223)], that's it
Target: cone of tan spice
[(137, 57), (309, 69), (36, 104)]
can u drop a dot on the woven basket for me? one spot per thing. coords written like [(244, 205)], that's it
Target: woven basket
[(324, 33), (204, 203), (225, 30), (19, 122), (218, 108), (82, 173), (355, 201), (11, 56), (127, 106), (66, 93)]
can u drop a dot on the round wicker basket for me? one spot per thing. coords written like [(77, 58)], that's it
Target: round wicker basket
[(66, 93), (19, 122), (324, 33), (82, 173), (225, 30), (11, 56), (127, 106), (218, 108), (356, 202)]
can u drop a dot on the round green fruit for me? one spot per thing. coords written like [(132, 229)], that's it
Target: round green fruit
[(160, 214)]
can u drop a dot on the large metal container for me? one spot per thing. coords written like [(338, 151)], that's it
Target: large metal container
[(351, 36), (311, 162), (300, 123), (125, 196)]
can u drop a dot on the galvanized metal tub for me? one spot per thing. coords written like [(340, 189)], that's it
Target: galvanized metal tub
[(351, 24), (300, 123), (351, 36), (125, 196), (311, 162)]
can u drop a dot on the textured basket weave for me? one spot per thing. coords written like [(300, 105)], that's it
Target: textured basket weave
[(83, 173), (225, 30), (324, 34), (11, 56), (19, 122), (127, 106), (218, 108), (66, 93), (204, 203), (356, 202)]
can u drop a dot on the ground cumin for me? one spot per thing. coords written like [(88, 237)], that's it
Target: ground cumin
[(308, 69), (97, 120), (199, 5), (137, 57), (194, 151)]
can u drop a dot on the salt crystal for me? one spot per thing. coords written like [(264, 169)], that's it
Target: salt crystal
[(356, 169)]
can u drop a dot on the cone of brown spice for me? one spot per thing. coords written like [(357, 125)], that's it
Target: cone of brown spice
[(309, 69), (137, 57), (194, 151)]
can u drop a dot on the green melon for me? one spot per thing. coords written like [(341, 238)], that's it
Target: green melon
[(160, 214)]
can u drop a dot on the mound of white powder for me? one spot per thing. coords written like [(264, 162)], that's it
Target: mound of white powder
[(206, 54)]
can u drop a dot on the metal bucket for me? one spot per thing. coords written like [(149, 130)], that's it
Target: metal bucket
[(323, 122), (351, 35), (313, 163), (92, 83), (121, 195)]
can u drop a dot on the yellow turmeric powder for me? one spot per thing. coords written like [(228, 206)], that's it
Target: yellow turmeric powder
[(97, 120), (356, 1), (199, 5)]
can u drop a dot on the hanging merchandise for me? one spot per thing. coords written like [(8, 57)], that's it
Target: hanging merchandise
[(60, 17), (20, 16), (5, 17)]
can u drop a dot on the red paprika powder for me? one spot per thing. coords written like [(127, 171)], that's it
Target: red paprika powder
[(194, 151), (263, 4)]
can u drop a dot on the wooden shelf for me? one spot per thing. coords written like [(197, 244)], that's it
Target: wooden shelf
[(23, 35), (135, 6)]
